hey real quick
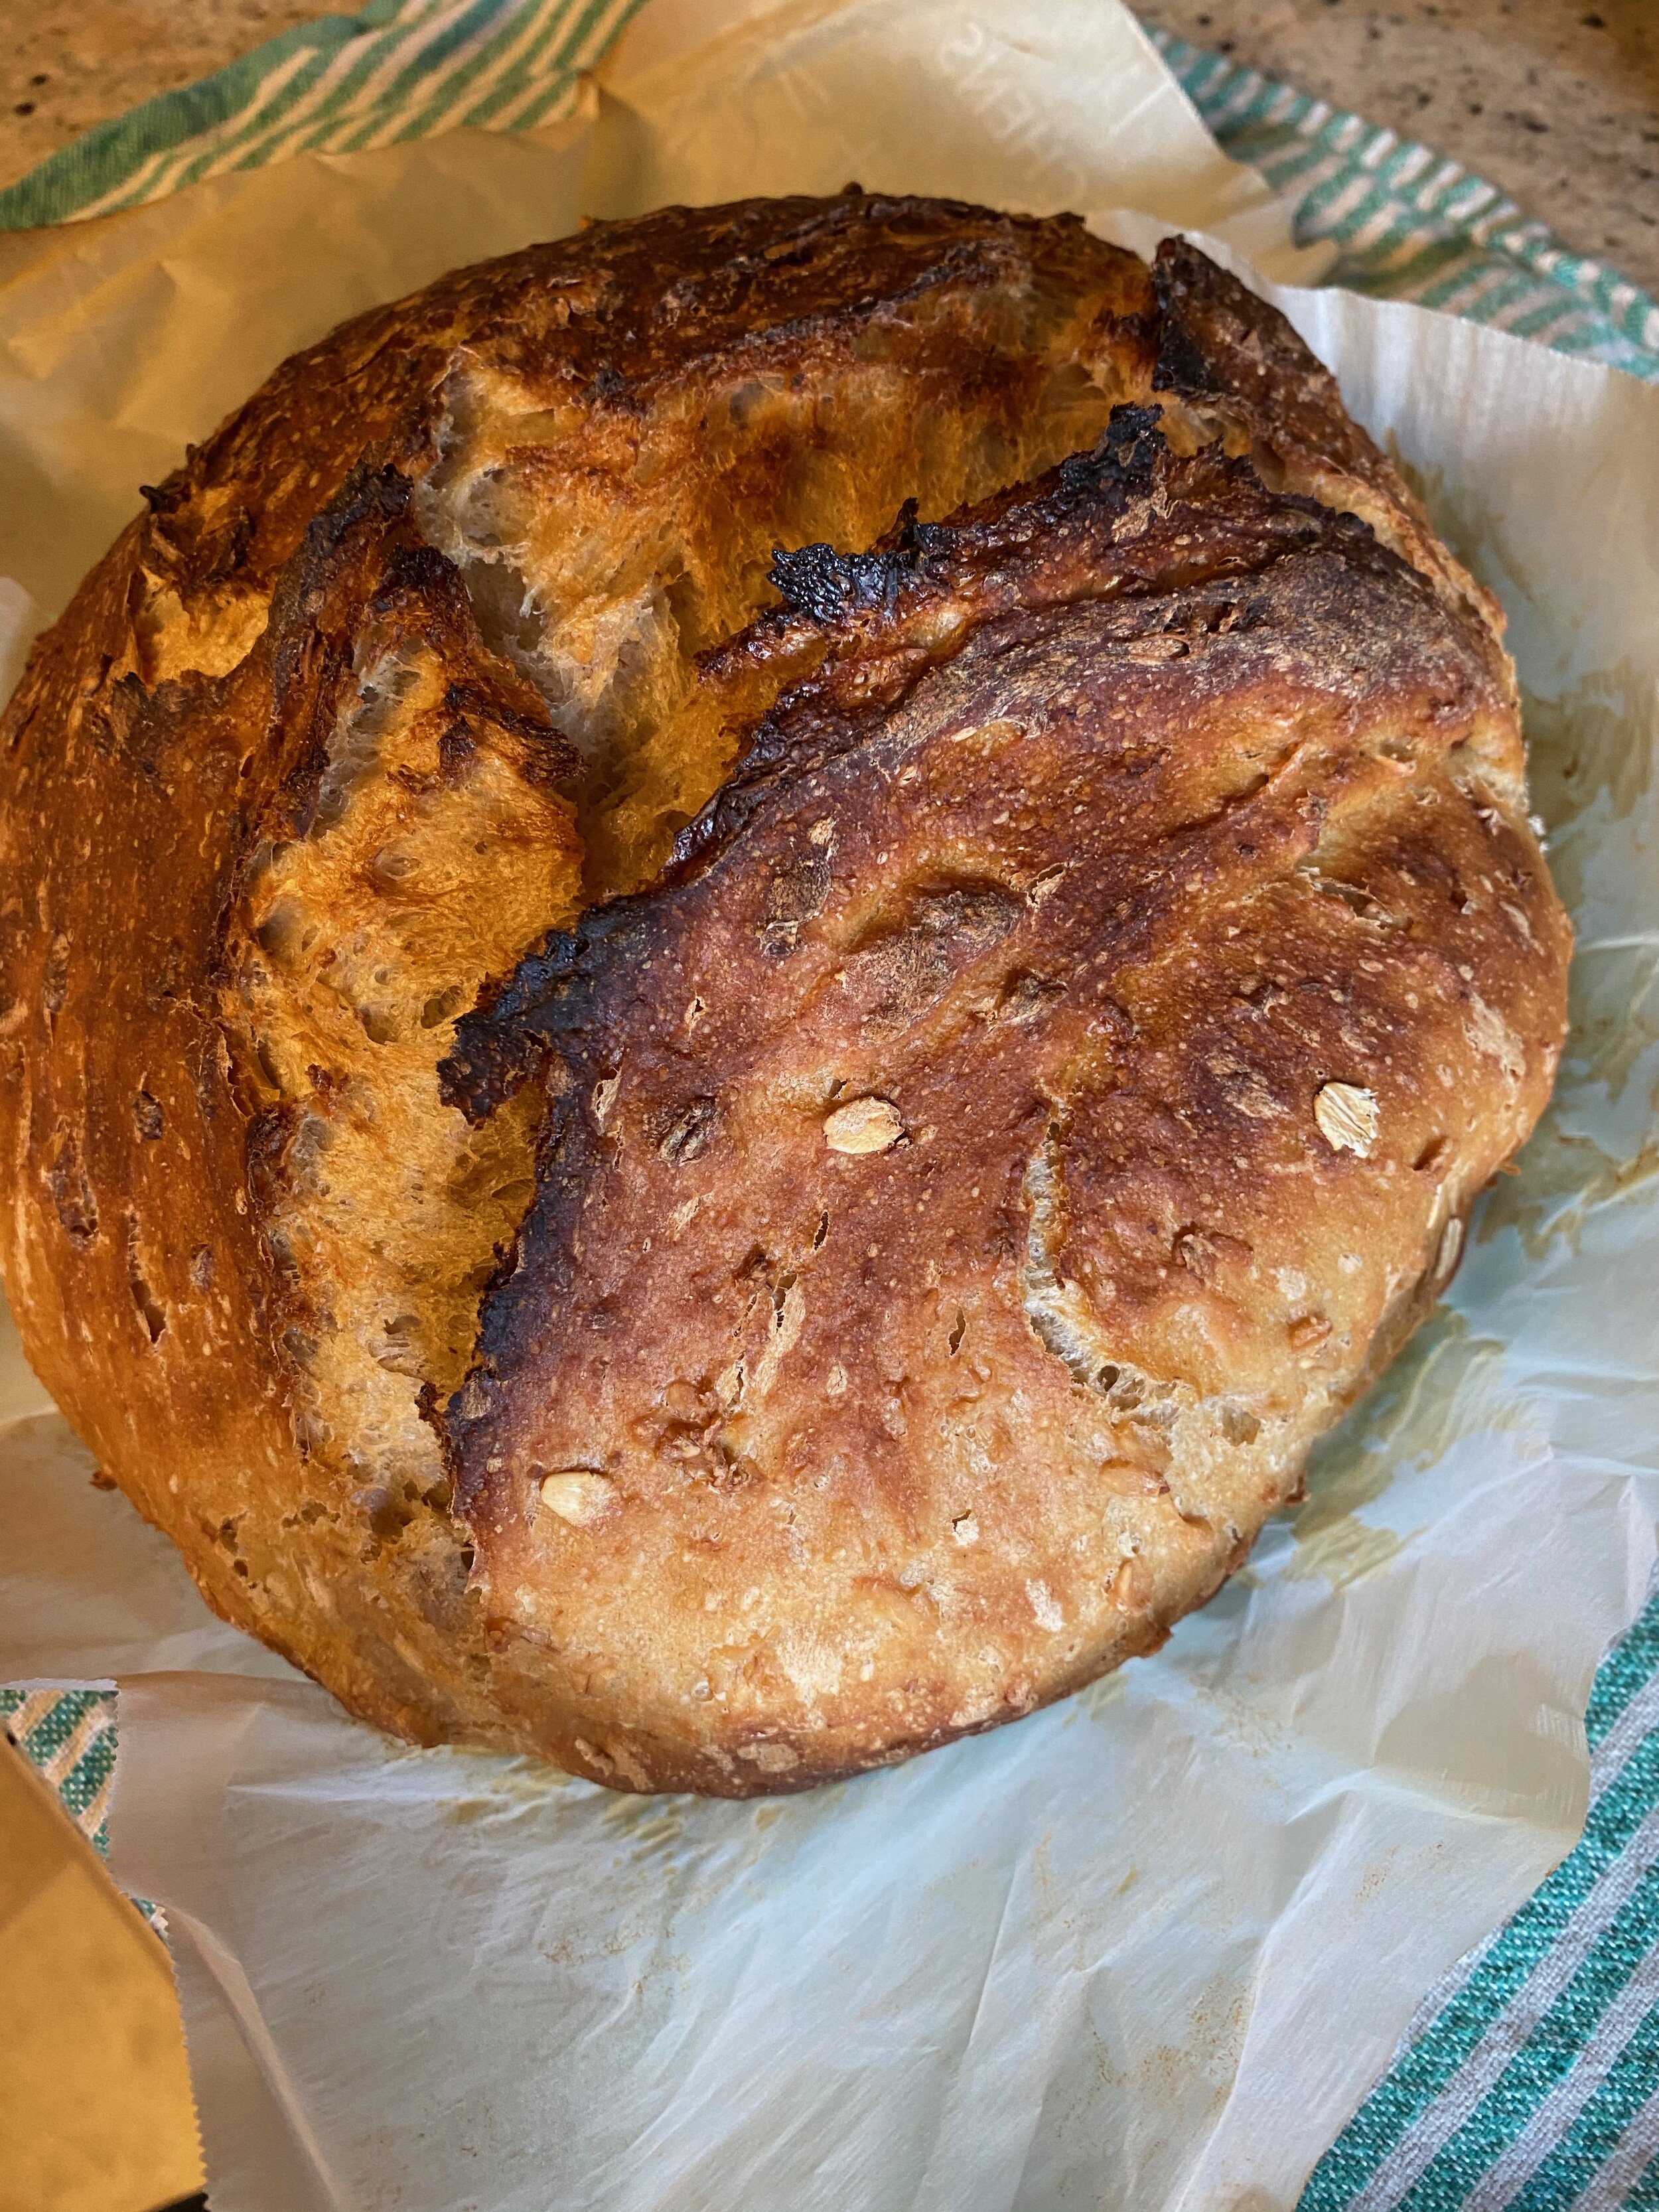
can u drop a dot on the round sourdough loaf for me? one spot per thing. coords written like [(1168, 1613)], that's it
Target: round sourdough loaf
[(744, 962)]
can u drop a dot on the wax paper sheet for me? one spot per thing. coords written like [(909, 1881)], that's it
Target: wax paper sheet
[(1146, 1949)]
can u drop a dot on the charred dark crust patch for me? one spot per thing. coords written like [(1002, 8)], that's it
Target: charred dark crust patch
[(1034, 546), (1057, 541), (817, 581), (506, 1039), (1128, 522)]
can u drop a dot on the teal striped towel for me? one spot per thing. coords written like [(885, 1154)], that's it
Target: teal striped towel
[(1530, 2077), (69, 1736)]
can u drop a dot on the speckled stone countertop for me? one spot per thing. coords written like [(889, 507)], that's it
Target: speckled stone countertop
[(1555, 100)]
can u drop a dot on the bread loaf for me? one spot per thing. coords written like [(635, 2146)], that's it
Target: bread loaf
[(744, 962)]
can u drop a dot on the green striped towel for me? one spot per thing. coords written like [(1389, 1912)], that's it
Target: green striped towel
[(1529, 2078), (70, 1736)]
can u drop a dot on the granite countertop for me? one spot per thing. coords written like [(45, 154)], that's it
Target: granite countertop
[(1555, 100)]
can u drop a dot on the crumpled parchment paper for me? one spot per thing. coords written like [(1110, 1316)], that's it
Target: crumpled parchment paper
[(1149, 1949)]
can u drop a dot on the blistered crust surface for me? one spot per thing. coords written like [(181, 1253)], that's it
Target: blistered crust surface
[(585, 564)]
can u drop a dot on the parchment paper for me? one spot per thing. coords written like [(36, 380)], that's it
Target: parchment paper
[(1145, 1950)]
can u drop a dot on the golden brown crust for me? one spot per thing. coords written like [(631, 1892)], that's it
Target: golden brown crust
[(1103, 955)]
